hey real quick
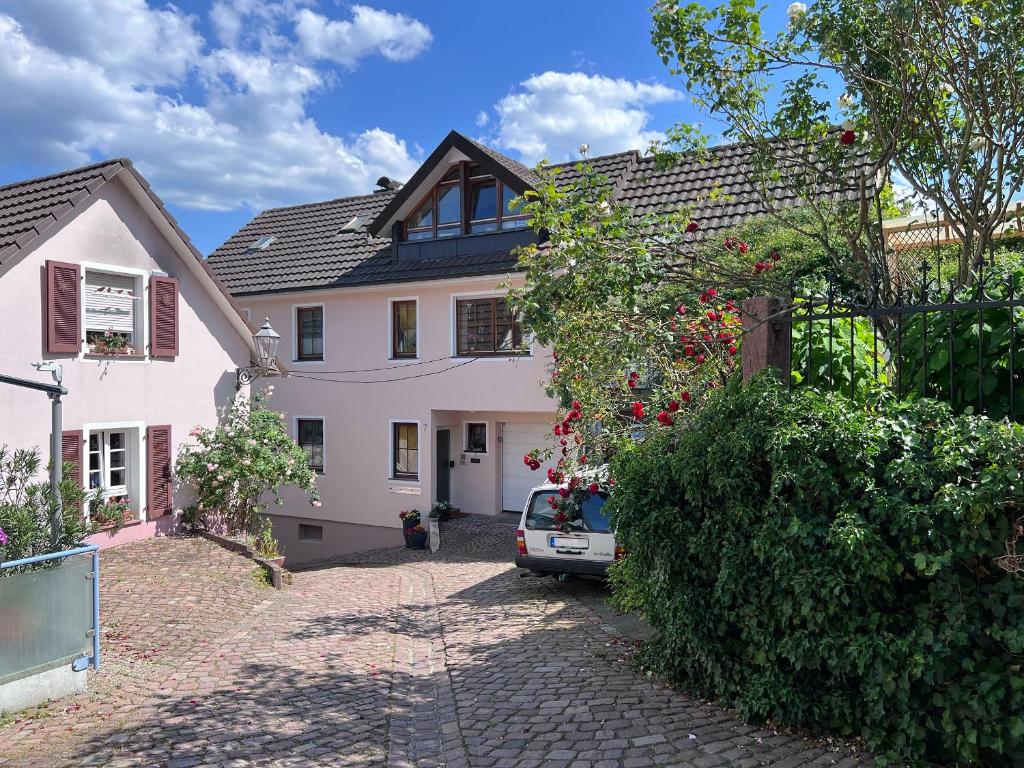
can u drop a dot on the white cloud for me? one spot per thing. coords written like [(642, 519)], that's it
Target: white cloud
[(394, 35), (482, 119), (212, 128), (549, 115)]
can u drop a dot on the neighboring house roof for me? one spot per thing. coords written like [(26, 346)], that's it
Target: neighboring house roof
[(32, 209), (310, 251)]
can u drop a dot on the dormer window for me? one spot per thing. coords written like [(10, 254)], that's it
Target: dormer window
[(440, 214), (488, 206)]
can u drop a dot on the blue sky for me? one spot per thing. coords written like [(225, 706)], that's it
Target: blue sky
[(231, 106)]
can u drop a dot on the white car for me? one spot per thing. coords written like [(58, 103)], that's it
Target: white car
[(587, 548)]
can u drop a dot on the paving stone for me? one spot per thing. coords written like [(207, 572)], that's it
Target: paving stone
[(387, 659)]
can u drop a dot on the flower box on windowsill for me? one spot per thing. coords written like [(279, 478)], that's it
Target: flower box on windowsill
[(92, 355), (103, 350), (106, 527)]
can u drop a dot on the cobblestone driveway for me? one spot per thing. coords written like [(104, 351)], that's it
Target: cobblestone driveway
[(390, 658)]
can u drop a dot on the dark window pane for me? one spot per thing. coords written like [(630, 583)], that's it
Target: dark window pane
[(485, 202), (424, 217), (476, 438), (509, 334), (449, 208), (476, 326), (403, 329), (311, 440), (508, 195), (311, 333), (405, 452)]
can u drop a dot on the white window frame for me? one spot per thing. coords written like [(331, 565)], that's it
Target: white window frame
[(295, 333), (454, 329), (391, 453), (392, 300), (323, 427), (465, 438), (135, 456), (142, 310)]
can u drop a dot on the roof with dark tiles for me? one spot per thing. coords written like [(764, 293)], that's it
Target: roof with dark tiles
[(310, 252)]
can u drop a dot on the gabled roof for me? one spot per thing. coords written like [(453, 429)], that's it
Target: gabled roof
[(310, 251), (34, 208), (509, 171)]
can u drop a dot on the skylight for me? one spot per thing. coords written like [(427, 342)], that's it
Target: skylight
[(263, 243), (354, 224)]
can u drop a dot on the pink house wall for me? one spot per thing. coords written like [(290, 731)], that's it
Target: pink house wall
[(355, 485), (115, 230)]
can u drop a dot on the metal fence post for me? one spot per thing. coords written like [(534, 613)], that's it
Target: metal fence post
[(767, 335)]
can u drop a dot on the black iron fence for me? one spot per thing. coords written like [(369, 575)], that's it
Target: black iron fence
[(961, 345)]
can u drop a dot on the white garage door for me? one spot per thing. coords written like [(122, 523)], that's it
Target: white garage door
[(516, 478)]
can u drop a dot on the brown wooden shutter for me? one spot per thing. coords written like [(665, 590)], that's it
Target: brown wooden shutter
[(71, 443), (158, 455), (63, 308), (163, 316)]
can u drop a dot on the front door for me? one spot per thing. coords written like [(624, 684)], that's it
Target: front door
[(443, 458)]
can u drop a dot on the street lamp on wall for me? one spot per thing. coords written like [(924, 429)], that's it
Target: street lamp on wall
[(266, 340)]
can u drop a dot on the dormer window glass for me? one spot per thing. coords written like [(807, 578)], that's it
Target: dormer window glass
[(440, 214), (488, 206)]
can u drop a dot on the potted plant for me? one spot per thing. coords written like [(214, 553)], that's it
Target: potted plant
[(112, 512), (415, 537), (111, 343), (441, 510), (266, 545), (410, 518)]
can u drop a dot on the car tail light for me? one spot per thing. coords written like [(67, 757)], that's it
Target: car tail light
[(620, 552), (521, 541)]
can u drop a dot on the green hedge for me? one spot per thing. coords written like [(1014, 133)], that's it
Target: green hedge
[(811, 562)]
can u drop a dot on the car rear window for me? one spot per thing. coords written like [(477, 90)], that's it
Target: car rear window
[(541, 517)]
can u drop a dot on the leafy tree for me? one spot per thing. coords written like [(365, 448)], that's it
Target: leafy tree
[(932, 88), (235, 465)]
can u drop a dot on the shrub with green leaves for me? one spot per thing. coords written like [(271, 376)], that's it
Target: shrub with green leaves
[(234, 465), (27, 509), (841, 567)]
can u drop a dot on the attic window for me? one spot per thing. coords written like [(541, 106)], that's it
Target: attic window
[(353, 224), (487, 206), (263, 243)]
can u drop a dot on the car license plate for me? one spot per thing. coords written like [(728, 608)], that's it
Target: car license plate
[(563, 542)]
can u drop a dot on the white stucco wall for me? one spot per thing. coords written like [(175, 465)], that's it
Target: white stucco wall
[(115, 230), (355, 486)]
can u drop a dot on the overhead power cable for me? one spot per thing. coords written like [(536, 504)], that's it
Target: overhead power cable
[(390, 367), (291, 375)]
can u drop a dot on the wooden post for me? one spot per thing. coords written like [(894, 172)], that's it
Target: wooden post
[(767, 332)]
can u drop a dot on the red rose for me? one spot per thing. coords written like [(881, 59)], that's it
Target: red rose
[(593, 487), (583, 459), (688, 350), (553, 502), (743, 247), (560, 517), (673, 405), (693, 226), (775, 256), (558, 429), (685, 397), (577, 405), (711, 315), (681, 309), (847, 138), (534, 465), (527, 459), (665, 419), (733, 349), (563, 492), (700, 359), (551, 475), (638, 410), (562, 442)]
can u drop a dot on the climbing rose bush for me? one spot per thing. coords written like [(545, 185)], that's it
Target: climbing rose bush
[(234, 465)]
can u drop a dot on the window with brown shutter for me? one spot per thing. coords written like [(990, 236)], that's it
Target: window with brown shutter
[(159, 482), (63, 308), (71, 451), (163, 316)]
